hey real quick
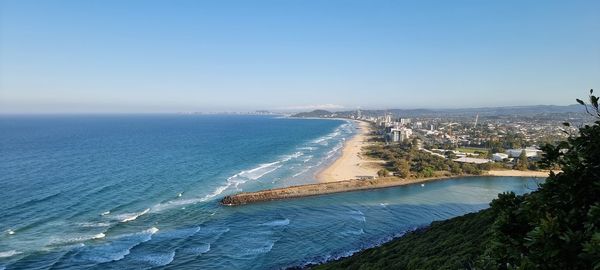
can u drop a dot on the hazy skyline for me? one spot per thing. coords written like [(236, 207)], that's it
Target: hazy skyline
[(176, 56)]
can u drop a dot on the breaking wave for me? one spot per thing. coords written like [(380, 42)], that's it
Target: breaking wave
[(233, 181), (160, 259), (93, 224), (131, 216), (119, 248), (279, 222), (10, 253), (76, 239), (198, 250)]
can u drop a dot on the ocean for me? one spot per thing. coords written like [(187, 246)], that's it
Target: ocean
[(142, 191)]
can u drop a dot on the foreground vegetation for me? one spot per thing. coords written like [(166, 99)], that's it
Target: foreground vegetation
[(451, 244), (555, 227)]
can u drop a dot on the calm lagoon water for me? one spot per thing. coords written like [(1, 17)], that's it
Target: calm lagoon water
[(142, 192)]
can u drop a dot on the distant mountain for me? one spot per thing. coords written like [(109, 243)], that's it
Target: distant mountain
[(510, 110), (315, 113), (485, 111)]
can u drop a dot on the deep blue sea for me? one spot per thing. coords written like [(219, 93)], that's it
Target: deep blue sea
[(142, 191)]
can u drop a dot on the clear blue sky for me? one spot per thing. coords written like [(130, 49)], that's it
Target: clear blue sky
[(171, 56)]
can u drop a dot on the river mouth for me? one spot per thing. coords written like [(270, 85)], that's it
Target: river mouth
[(143, 191)]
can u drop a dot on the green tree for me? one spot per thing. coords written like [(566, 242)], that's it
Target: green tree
[(522, 163), (455, 168), (403, 168), (427, 172), (383, 173), (470, 169), (557, 226)]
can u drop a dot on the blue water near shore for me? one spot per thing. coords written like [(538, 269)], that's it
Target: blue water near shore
[(142, 192)]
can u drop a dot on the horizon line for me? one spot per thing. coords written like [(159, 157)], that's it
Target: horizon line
[(263, 111)]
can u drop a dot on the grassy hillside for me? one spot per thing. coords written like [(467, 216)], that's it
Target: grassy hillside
[(451, 244)]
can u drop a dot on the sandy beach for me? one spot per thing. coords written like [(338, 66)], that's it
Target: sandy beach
[(352, 164), (343, 176), (519, 173)]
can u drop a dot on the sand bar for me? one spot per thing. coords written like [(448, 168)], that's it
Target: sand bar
[(331, 187), (519, 173)]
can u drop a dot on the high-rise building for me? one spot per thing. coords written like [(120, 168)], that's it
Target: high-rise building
[(388, 118), (404, 121), (399, 134)]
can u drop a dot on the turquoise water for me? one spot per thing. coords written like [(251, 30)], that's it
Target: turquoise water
[(142, 192)]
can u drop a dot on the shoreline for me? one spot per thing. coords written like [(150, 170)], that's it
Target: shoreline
[(353, 171), (516, 173), (351, 164), (309, 190)]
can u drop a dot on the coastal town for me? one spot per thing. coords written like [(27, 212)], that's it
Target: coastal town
[(389, 150), (492, 141), (300, 135)]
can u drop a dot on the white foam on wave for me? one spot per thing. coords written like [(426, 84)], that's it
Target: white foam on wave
[(279, 222), (93, 224), (75, 239), (303, 171), (323, 139), (99, 236), (305, 167), (352, 232), (268, 247), (174, 203), (384, 204), (262, 166), (105, 213), (243, 176), (358, 215), (10, 253), (132, 216), (357, 212), (335, 149), (120, 246), (260, 248), (204, 248), (152, 230), (260, 171), (292, 156), (320, 140), (160, 259), (233, 181), (215, 192)]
